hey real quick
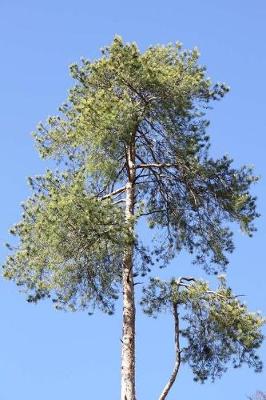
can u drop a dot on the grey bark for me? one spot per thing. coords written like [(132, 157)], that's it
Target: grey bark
[(128, 391)]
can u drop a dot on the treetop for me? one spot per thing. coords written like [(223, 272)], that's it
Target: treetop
[(72, 228)]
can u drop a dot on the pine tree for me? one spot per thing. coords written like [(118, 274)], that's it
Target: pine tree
[(131, 143)]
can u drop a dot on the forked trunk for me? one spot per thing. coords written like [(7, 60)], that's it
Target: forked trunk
[(128, 333)]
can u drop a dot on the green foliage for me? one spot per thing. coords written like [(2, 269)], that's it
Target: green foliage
[(71, 241), (159, 97), (74, 233), (217, 327), (71, 245), (197, 203)]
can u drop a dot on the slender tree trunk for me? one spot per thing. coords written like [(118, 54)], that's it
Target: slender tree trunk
[(128, 333), (173, 376)]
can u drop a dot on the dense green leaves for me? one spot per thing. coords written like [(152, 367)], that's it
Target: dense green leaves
[(217, 327), (71, 245), (136, 123), (155, 100)]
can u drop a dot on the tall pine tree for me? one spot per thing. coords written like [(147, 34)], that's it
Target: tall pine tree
[(130, 142)]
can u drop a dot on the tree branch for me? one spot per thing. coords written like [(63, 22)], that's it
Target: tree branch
[(114, 193), (154, 165), (152, 212), (119, 201), (173, 376)]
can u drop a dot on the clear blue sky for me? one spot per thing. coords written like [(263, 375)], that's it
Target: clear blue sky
[(45, 354)]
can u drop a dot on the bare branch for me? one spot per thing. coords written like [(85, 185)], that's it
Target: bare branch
[(114, 193), (119, 201), (187, 278), (154, 165)]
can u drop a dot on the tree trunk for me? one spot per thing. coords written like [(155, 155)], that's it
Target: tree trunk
[(128, 332), (173, 376)]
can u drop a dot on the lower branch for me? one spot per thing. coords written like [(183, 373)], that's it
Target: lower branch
[(173, 376)]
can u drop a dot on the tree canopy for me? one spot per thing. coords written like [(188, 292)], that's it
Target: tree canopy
[(217, 329), (132, 141)]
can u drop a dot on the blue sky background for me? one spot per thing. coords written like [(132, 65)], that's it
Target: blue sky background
[(46, 354)]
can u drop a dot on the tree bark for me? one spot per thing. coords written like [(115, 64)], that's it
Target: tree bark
[(128, 333), (173, 376)]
